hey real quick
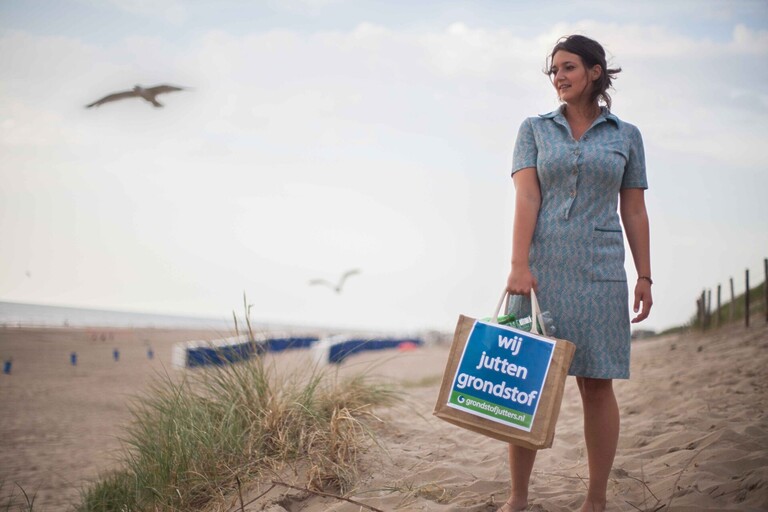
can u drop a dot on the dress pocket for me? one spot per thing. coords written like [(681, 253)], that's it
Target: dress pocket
[(608, 255)]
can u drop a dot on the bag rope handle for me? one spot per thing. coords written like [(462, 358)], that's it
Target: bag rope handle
[(537, 321)]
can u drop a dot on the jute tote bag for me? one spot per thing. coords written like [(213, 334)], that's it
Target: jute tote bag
[(505, 382)]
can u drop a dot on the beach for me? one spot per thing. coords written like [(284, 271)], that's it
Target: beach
[(694, 431)]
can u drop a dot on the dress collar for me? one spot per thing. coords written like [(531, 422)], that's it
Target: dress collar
[(605, 115)]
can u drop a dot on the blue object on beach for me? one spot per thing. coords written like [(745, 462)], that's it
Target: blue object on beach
[(221, 355), (116, 354), (150, 353), (7, 367), (73, 358), (231, 350), (341, 349), (288, 343)]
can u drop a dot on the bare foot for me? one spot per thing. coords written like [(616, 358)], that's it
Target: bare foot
[(512, 505), (592, 506)]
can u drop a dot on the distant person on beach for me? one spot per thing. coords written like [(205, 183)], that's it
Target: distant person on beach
[(574, 170)]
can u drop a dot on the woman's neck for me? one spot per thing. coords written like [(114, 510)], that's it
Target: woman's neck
[(581, 112)]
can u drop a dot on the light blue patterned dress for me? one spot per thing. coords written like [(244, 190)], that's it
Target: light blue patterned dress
[(577, 251)]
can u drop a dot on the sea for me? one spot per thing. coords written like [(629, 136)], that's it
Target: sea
[(14, 314)]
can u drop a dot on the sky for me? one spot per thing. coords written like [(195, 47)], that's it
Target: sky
[(317, 136)]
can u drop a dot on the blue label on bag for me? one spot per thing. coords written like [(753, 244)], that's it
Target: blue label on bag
[(501, 374)]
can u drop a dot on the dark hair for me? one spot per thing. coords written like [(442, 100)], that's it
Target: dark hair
[(592, 54)]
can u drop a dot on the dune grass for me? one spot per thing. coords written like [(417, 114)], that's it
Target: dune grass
[(14, 498), (739, 307), (194, 439), (730, 312)]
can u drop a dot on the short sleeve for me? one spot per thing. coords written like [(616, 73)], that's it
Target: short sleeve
[(634, 172), (526, 152)]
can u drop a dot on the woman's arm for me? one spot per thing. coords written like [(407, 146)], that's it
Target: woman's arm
[(527, 203), (635, 219)]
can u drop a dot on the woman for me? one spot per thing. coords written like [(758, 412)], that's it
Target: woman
[(573, 169)]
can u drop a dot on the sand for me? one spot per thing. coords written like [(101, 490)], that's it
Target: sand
[(59, 424), (694, 431)]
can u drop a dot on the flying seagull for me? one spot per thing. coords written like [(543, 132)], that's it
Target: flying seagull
[(337, 286), (149, 94)]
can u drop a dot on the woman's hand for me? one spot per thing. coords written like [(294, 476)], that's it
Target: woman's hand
[(520, 281), (642, 297)]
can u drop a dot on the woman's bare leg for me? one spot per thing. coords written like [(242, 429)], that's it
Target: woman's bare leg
[(520, 467), (601, 433)]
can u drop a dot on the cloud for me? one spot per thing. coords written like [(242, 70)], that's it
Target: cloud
[(23, 125), (329, 86), (748, 41)]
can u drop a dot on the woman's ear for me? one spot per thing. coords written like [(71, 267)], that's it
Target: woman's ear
[(595, 72)]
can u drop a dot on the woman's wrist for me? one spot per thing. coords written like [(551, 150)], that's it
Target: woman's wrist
[(645, 278)]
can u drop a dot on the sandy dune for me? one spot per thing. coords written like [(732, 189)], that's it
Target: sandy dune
[(694, 430)]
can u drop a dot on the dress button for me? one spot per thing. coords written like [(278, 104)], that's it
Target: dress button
[(573, 193)]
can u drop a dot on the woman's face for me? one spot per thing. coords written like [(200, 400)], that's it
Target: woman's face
[(572, 80)]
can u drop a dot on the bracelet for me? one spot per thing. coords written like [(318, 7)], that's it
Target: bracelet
[(647, 278)]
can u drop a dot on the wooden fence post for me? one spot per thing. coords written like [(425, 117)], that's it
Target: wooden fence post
[(765, 288), (731, 306), (698, 309), (717, 318), (746, 299), (703, 309)]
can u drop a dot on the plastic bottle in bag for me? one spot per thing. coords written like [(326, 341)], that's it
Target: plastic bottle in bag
[(525, 322)]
